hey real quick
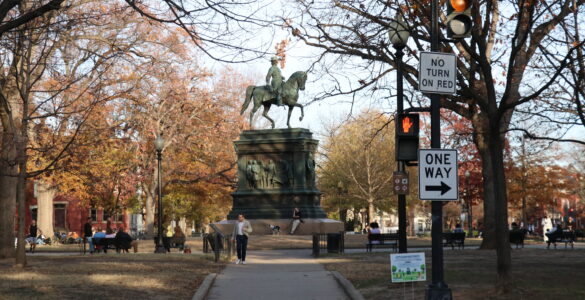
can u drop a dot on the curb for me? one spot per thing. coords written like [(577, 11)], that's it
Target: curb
[(347, 287), (205, 287)]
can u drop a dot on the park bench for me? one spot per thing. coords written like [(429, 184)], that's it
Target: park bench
[(517, 238), (103, 244), (172, 242), (567, 237), (385, 240), (454, 239)]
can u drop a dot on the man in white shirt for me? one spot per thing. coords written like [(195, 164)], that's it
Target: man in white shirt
[(242, 231)]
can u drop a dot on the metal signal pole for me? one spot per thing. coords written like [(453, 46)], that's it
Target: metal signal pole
[(438, 289)]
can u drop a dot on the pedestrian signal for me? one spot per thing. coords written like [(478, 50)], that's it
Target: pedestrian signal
[(407, 130)]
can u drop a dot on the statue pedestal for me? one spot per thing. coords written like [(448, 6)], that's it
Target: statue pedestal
[(262, 226), (276, 173)]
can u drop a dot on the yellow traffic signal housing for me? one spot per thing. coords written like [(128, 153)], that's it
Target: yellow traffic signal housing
[(459, 21)]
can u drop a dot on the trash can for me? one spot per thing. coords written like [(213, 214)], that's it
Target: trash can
[(333, 242)]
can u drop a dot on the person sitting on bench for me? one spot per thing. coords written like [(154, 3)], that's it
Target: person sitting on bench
[(458, 228), (124, 241), (374, 233), (97, 240)]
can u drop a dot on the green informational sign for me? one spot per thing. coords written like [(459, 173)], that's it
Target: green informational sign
[(407, 267)]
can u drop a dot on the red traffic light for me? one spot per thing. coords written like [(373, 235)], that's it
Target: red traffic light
[(460, 5)]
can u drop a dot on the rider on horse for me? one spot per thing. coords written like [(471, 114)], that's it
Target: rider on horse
[(277, 79)]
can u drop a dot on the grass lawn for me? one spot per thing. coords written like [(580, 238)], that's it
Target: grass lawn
[(538, 274), (112, 276)]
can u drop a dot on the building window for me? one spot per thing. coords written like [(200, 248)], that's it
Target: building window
[(60, 216), (93, 214), (105, 216), (119, 218)]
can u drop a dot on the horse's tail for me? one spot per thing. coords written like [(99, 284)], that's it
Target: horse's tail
[(249, 92)]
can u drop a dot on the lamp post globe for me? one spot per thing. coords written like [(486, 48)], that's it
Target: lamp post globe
[(398, 32), (159, 144)]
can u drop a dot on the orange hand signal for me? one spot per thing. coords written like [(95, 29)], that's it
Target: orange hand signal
[(406, 124)]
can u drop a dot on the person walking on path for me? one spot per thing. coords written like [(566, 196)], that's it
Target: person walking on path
[(241, 232), (87, 234), (296, 220), (32, 235)]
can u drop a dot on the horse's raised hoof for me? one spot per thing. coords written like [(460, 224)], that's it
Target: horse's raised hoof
[(300, 118)]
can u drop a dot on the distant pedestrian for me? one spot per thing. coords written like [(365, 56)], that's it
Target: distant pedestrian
[(87, 234), (32, 235), (109, 229), (242, 231), (547, 226), (296, 220)]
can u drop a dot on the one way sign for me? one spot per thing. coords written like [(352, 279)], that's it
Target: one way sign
[(437, 174)]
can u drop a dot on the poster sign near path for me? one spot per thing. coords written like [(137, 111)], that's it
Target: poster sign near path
[(408, 267), (437, 73)]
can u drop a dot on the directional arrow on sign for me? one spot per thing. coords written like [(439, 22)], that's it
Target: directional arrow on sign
[(443, 188)]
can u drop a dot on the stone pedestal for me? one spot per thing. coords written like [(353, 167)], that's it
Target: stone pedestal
[(276, 173), (262, 226)]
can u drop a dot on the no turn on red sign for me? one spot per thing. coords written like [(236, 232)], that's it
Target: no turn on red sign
[(437, 73)]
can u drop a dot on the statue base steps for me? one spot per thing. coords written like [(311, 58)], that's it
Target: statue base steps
[(261, 226)]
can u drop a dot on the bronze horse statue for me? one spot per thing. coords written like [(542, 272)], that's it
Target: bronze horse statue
[(263, 95)]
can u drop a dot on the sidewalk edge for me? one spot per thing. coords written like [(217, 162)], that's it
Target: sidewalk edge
[(347, 287), (205, 287)]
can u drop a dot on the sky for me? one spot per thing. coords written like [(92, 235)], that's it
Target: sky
[(332, 110)]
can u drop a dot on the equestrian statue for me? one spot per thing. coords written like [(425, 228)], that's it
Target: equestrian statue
[(278, 92)]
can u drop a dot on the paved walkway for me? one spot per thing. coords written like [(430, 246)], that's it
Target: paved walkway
[(276, 274)]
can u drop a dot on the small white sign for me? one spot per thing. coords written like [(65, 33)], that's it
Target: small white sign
[(407, 267), (437, 73), (437, 174)]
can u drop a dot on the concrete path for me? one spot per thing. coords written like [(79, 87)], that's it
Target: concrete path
[(276, 274)]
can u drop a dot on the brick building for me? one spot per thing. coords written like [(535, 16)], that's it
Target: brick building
[(54, 212)]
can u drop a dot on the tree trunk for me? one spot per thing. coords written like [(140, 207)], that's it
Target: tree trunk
[(7, 210), (21, 199), (371, 211), (503, 250), (149, 217), (8, 172), (481, 138)]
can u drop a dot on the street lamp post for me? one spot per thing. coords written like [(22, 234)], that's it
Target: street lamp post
[(469, 205), (159, 144), (399, 34)]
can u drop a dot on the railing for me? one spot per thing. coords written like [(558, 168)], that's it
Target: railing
[(332, 242), (218, 243)]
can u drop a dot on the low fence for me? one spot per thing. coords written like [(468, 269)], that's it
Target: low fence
[(330, 242), (218, 243)]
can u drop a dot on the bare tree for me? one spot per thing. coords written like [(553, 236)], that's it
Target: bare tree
[(497, 72)]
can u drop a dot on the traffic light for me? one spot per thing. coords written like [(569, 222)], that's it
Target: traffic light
[(459, 20), (407, 127)]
